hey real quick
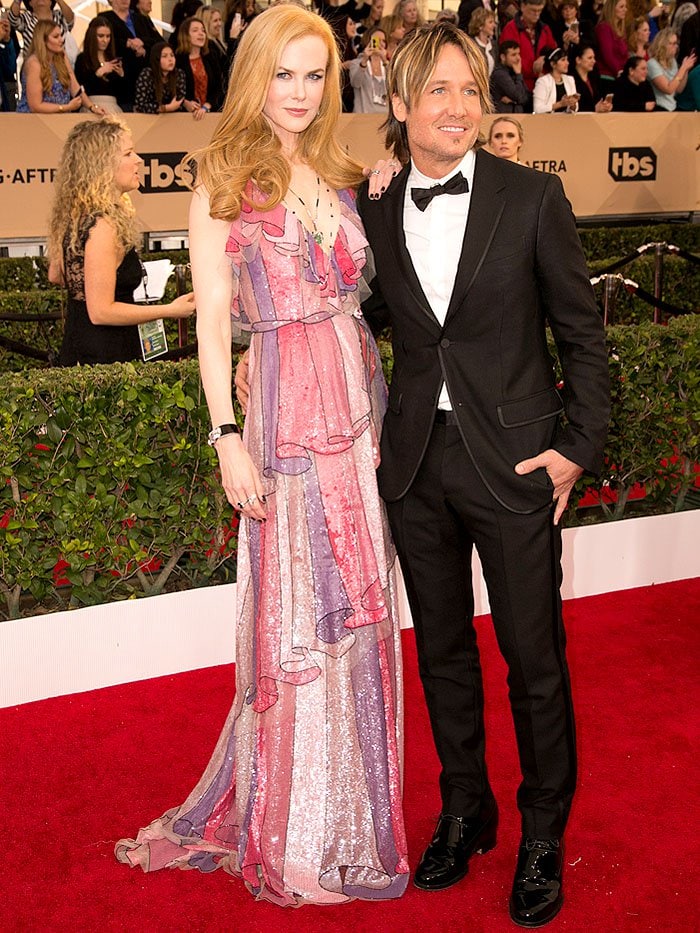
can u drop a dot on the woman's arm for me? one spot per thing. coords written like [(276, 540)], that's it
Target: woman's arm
[(55, 273), (102, 258), (677, 83), (572, 96), (82, 70), (68, 14), (213, 283), (78, 93), (14, 16), (357, 71), (191, 106)]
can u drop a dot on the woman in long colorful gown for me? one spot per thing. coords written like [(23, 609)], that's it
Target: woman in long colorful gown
[(302, 796)]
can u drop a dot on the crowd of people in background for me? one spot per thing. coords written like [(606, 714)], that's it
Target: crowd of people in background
[(558, 56), (565, 58)]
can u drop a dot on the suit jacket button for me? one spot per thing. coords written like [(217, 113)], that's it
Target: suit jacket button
[(444, 343)]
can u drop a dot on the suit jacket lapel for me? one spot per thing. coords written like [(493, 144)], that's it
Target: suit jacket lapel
[(393, 207), (485, 209)]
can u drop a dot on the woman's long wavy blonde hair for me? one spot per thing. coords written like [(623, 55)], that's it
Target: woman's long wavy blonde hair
[(84, 186), (245, 146), (46, 59)]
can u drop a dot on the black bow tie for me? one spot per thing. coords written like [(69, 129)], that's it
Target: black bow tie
[(422, 197)]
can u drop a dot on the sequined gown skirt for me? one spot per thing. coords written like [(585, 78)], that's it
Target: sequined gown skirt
[(302, 796)]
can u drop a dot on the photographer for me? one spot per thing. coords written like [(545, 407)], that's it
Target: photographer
[(368, 73)]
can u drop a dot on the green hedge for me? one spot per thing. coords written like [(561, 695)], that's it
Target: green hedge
[(108, 469), (41, 335), (24, 286), (47, 335), (607, 243), (653, 441), (600, 244), (28, 272)]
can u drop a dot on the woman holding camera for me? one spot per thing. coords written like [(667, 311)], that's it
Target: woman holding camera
[(98, 69), (587, 80), (368, 73)]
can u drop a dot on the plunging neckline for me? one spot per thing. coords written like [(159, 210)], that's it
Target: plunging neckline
[(328, 253)]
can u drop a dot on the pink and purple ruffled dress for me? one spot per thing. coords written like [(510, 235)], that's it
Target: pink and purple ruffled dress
[(302, 796)]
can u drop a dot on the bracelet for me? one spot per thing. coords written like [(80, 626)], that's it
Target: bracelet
[(219, 432), (60, 108)]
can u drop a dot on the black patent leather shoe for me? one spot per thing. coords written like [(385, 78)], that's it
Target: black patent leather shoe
[(537, 889), (456, 839)]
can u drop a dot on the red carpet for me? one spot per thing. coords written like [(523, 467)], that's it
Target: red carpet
[(78, 772)]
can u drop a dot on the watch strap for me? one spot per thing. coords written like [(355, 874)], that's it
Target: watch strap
[(222, 429)]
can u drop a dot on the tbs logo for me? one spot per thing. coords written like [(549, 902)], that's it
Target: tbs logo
[(162, 173), (632, 164)]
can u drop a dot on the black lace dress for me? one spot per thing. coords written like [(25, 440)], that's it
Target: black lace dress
[(83, 341)]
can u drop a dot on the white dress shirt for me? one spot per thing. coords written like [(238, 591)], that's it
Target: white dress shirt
[(434, 239)]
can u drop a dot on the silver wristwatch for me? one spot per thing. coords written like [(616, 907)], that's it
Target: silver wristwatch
[(216, 433)]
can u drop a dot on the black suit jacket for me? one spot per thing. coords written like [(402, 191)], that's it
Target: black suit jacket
[(521, 268)]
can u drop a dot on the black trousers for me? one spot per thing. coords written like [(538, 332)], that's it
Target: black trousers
[(446, 513)]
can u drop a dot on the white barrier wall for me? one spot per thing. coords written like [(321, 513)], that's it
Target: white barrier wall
[(70, 652)]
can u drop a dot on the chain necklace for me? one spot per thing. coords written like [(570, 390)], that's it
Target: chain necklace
[(316, 234)]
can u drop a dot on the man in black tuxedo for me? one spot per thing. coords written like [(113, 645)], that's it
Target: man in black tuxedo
[(475, 257)]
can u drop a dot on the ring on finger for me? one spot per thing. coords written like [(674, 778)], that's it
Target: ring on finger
[(240, 505), (375, 171)]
